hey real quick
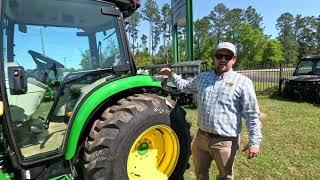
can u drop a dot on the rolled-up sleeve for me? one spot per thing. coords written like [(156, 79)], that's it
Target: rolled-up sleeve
[(251, 114)]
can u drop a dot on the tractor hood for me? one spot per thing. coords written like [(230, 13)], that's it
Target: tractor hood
[(305, 78)]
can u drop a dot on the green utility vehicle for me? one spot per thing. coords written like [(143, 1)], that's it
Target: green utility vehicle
[(72, 105)]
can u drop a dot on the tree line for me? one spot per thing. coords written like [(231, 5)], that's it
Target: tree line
[(297, 36)]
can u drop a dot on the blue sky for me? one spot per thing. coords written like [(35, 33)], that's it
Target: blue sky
[(67, 50), (269, 9)]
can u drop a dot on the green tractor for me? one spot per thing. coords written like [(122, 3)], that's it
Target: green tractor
[(72, 104)]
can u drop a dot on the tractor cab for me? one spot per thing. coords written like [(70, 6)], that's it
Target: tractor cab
[(54, 54), (74, 106)]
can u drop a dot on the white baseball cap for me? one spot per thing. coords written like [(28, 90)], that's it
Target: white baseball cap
[(228, 46)]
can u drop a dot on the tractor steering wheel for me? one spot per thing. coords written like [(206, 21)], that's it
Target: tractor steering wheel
[(46, 62)]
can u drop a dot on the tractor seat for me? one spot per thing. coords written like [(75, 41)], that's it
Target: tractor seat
[(76, 88)]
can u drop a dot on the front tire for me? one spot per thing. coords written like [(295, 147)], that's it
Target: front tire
[(317, 98), (284, 90), (140, 138)]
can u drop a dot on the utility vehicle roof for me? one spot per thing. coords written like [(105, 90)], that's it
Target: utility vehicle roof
[(153, 66), (310, 57), (189, 63)]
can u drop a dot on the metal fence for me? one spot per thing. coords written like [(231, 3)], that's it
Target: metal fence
[(266, 78)]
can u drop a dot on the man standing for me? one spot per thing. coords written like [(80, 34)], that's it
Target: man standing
[(224, 97)]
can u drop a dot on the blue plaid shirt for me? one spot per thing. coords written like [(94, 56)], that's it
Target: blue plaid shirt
[(222, 102)]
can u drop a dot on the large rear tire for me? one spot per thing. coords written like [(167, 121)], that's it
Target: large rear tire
[(139, 138)]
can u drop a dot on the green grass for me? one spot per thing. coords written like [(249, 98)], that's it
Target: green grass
[(290, 147)]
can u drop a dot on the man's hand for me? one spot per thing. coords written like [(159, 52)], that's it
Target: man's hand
[(252, 152), (166, 71)]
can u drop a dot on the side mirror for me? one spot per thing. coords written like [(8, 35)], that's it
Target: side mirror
[(17, 80)]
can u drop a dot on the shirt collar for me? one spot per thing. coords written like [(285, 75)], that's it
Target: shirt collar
[(225, 74)]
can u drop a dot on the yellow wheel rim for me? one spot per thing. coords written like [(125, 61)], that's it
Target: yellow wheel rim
[(154, 154)]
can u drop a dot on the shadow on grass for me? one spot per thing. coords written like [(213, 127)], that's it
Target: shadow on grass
[(276, 96)]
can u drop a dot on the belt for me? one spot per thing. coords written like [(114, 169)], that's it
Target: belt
[(210, 134)]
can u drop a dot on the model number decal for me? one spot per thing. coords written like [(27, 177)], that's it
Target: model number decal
[(99, 153), (161, 110)]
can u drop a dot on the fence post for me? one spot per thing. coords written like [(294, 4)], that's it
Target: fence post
[(280, 79)]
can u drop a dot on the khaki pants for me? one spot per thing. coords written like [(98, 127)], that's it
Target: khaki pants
[(207, 147)]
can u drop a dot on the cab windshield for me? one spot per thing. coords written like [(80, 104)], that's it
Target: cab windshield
[(308, 67), (67, 48)]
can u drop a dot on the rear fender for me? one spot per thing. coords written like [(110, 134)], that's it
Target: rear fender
[(5, 175), (97, 97)]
